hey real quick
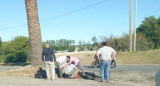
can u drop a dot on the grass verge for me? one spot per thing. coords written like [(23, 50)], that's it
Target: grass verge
[(139, 57)]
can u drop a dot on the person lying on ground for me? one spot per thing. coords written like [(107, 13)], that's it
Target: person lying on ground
[(77, 63)]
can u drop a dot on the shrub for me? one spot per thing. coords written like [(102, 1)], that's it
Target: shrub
[(16, 50)]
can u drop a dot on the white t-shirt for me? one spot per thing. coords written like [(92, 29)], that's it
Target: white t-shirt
[(106, 52), (61, 60), (69, 68)]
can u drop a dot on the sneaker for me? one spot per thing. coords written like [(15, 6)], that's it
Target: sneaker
[(100, 81), (107, 81), (47, 79), (52, 79)]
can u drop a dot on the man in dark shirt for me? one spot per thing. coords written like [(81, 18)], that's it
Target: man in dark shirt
[(47, 56)]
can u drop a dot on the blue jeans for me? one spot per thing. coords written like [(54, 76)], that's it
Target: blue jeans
[(105, 69)]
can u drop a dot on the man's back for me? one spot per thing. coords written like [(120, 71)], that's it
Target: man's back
[(106, 52), (76, 60), (61, 59)]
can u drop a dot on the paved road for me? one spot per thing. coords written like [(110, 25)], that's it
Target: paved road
[(143, 68), (2, 68)]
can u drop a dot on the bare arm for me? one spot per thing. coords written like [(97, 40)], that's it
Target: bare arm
[(64, 65), (43, 56), (54, 56), (115, 53), (75, 68), (98, 56)]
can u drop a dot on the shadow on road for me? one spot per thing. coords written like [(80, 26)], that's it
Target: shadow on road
[(41, 74)]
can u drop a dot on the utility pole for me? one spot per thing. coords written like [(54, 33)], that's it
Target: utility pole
[(135, 21), (130, 25)]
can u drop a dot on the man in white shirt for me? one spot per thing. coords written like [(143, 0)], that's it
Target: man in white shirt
[(60, 61), (104, 55)]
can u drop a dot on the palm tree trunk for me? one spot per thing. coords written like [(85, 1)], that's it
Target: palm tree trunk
[(34, 32)]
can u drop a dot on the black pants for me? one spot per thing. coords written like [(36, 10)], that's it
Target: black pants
[(59, 69)]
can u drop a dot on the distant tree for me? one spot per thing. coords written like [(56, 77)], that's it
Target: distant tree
[(43, 45), (95, 43), (119, 44), (81, 46), (88, 45), (94, 39), (60, 45), (63, 44), (16, 50), (111, 41), (0, 48), (71, 49), (142, 43), (80, 42), (0, 42), (150, 28)]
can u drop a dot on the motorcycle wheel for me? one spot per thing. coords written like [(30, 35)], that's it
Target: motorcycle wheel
[(113, 64), (94, 64)]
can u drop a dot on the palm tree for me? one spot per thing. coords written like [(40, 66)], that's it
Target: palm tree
[(34, 32)]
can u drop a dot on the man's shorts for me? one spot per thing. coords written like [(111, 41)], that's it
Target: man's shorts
[(71, 73)]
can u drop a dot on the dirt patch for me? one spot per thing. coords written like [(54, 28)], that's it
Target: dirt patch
[(141, 78), (28, 81), (27, 71), (118, 78)]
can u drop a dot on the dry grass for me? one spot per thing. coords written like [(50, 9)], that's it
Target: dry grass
[(125, 78), (27, 71), (86, 58), (144, 78), (140, 57)]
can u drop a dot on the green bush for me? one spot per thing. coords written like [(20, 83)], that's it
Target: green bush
[(142, 43), (150, 28), (0, 42), (16, 50), (71, 49)]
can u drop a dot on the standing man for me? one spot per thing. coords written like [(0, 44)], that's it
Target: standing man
[(106, 57), (47, 56)]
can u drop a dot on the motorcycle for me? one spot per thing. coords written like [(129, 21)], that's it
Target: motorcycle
[(113, 63), (96, 63)]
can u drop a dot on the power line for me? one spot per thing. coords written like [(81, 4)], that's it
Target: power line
[(61, 14), (75, 10), (14, 27)]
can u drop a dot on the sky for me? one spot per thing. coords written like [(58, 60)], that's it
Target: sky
[(108, 18)]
